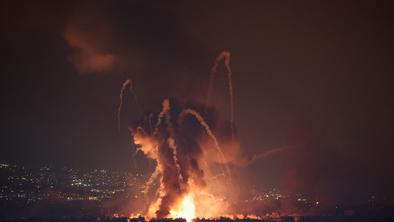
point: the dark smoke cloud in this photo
(90, 36)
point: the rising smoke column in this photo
(126, 84)
(173, 168)
(175, 146)
(176, 149)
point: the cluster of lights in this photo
(69, 184)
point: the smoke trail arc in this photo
(208, 130)
(224, 55)
(164, 111)
(126, 84)
(156, 173)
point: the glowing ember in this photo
(186, 209)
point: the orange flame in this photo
(185, 209)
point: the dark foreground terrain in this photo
(281, 219)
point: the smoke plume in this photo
(175, 145)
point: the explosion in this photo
(176, 146)
(188, 156)
(186, 209)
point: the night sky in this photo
(312, 77)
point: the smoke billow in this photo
(90, 36)
(176, 146)
(192, 153)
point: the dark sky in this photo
(314, 77)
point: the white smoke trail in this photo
(128, 83)
(165, 109)
(224, 55)
(267, 154)
(208, 130)
(165, 113)
(156, 173)
(124, 85)
(172, 145)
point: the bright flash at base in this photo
(186, 209)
